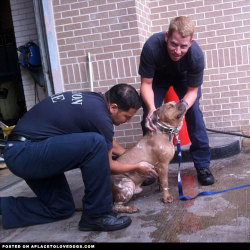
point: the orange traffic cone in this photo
(183, 134)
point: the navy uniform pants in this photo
(199, 148)
(42, 165)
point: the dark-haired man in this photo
(63, 132)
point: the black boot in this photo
(205, 176)
(105, 222)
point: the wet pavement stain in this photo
(220, 233)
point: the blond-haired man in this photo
(174, 58)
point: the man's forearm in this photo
(147, 93)
(191, 96)
(117, 148)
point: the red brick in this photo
(70, 74)
(126, 67)
(112, 48)
(63, 21)
(108, 69)
(65, 74)
(120, 68)
(70, 13)
(114, 68)
(95, 71)
(76, 72)
(233, 56)
(80, 5)
(61, 8)
(70, 87)
(229, 94)
(101, 70)
(217, 13)
(65, 34)
(83, 72)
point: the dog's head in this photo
(170, 113)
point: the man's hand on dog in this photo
(147, 169)
(149, 123)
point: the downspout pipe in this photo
(90, 72)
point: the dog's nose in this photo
(181, 107)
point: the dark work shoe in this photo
(149, 181)
(105, 222)
(205, 176)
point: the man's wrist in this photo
(185, 103)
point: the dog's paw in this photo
(125, 209)
(168, 199)
(132, 209)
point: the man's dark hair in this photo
(125, 96)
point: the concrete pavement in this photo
(217, 218)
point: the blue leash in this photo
(178, 145)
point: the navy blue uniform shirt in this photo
(66, 113)
(155, 63)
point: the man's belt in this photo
(15, 137)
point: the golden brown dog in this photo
(155, 148)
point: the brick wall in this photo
(115, 31)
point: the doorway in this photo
(12, 101)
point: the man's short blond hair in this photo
(183, 25)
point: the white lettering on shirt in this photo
(77, 98)
(57, 97)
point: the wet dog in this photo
(155, 148)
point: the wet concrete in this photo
(217, 218)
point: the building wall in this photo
(114, 31)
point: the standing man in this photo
(63, 132)
(174, 58)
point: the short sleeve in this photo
(147, 66)
(196, 68)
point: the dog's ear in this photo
(154, 116)
(156, 112)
